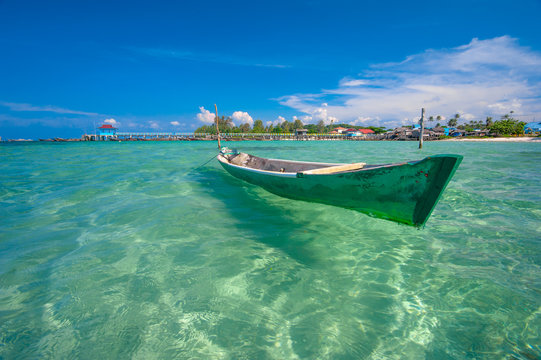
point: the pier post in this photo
(217, 127)
(422, 128)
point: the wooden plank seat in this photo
(334, 169)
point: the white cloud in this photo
(240, 117)
(205, 116)
(467, 116)
(353, 82)
(112, 122)
(321, 113)
(47, 108)
(305, 119)
(363, 120)
(175, 123)
(154, 125)
(276, 122)
(483, 78)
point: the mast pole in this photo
(217, 128)
(422, 128)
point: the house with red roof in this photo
(359, 132)
(367, 131)
(106, 132)
(339, 130)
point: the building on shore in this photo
(301, 133)
(359, 132)
(103, 133)
(533, 128)
(106, 132)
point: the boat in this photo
(405, 192)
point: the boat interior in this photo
(286, 166)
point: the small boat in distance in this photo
(404, 192)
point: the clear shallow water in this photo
(126, 250)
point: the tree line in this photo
(226, 126)
(507, 125)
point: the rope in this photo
(209, 160)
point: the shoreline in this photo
(461, 139)
(497, 139)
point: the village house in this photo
(401, 133)
(359, 132)
(532, 128)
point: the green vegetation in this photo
(472, 125)
(508, 126)
(226, 126)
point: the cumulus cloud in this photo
(363, 120)
(241, 117)
(278, 121)
(316, 115)
(154, 125)
(305, 119)
(205, 116)
(483, 78)
(175, 123)
(112, 122)
(238, 117)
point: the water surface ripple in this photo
(128, 250)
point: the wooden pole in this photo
(217, 128)
(422, 128)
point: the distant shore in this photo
(305, 138)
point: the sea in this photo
(150, 250)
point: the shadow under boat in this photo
(275, 225)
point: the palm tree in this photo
(489, 122)
(453, 121)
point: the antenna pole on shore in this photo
(217, 128)
(422, 128)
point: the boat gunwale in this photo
(274, 173)
(223, 160)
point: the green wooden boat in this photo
(405, 192)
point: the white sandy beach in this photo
(500, 139)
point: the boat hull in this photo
(405, 193)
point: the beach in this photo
(497, 139)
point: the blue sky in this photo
(161, 66)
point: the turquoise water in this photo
(126, 250)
